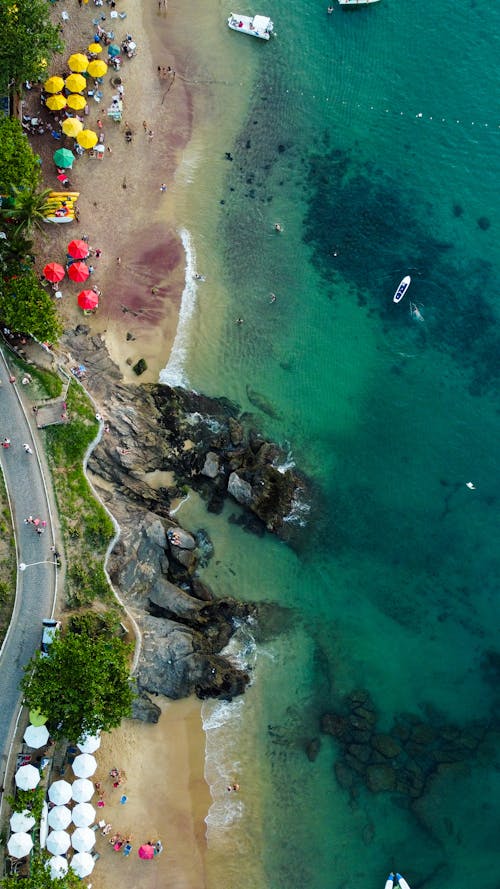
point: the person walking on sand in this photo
(150, 135)
(144, 124)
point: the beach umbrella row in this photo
(76, 102)
(72, 126)
(21, 822)
(64, 158)
(94, 48)
(89, 743)
(78, 272)
(75, 83)
(56, 103)
(27, 777)
(20, 844)
(87, 138)
(53, 84)
(78, 62)
(78, 249)
(57, 866)
(59, 818)
(88, 300)
(82, 864)
(38, 735)
(54, 272)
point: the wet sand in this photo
(167, 800)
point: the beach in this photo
(333, 130)
(166, 800)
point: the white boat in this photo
(389, 883)
(402, 882)
(403, 287)
(257, 26)
(356, 2)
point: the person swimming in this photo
(278, 227)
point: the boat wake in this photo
(173, 374)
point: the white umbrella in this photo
(83, 839)
(27, 777)
(58, 866)
(82, 790)
(82, 864)
(83, 815)
(89, 743)
(19, 845)
(21, 821)
(60, 793)
(58, 842)
(36, 735)
(44, 824)
(59, 817)
(84, 765)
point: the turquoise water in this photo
(372, 137)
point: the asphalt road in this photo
(36, 585)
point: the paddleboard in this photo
(403, 287)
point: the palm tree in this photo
(29, 210)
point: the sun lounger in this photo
(127, 850)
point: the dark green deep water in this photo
(374, 138)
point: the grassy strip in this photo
(45, 384)
(8, 562)
(86, 526)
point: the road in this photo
(37, 584)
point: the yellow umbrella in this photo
(76, 102)
(78, 62)
(53, 85)
(94, 48)
(72, 126)
(97, 68)
(55, 103)
(76, 83)
(87, 138)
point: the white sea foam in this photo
(177, 508)
(223, 723)
(173, 374)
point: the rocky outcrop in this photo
(404, 760)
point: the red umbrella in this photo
(78, 249)
(54, 272)
(146, 851)
(88, 299)
(78, 271)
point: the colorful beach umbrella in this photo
(64, 158)
(53, 85)
(54, 273)
(27, 777)
(19, 845)
(87, 138)
(78, 62)
(82, 864)
(37, 718)
(56, 103)
(72, 126)
(78, 271)
(76, 102)
(97, 68)
(78, 249)
(36, 735)
(113, 51)
(146, 852)
(88, 300)
(94, 48)
(75, 83)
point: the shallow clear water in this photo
(371, 135)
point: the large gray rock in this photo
(211, 466)
(171, 599)
(239, 489)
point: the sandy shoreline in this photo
(167, 800)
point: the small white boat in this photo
(389, 883)
(356, 2)
(257, 26)
(402, 882)
(403, 287)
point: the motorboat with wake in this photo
(256, 26)
(403, 287)
(393, 882)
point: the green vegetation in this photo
(86, 526)
(82, 685)
(8, 563)
(19, 166)
(28, 40)
(39, 878)
(28, 799)
(27, 308)
(26, 209)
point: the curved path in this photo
(36, 587)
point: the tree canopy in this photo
(19, 166)
(27, 209)
(39, 878)
(82, 686)
(26, 307)
(28, 41)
